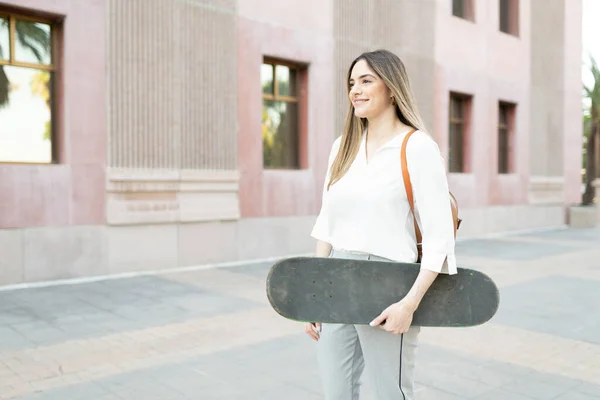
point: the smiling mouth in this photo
(357, 102)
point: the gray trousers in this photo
(344, 351)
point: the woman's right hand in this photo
(313, 329)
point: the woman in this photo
(365, 215)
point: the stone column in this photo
(555, 141)
(172, 111)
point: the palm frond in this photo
(35, 38)
(4, 87)
(35, 32)
(587, 124)
(594, 69)
(3, 22)
(592, 93)
(32, 47)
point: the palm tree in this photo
(4, 83)
(30, 36)
(591, 134)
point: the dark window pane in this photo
(503, 115)
(456, 148)
(505, 16)
(456, 107)
(25, 116)
(503, 151)
(4, 41)
(33, 42)
(266, 77)
(458, 8)
(280, 134)
(286, 81)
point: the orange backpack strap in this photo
(409, 195)
(408, 188)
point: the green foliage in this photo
(587, 121)
(32, 37)
(591, 131)
(4, 88)
(37, 40)
(593, 93)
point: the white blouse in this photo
(368, 211)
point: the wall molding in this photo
(546, 190)
(150, 196)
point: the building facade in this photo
(153, 134)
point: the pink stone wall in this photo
(573, 129)
(474, 58)
(479, 60)
(71, 192)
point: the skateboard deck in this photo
(333, 290)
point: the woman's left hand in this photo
(397, 317)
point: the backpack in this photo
(409, 194)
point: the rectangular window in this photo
(27, 69)
(509, 17)
(280, 115)
(463, 9)
(459, 115)
(506, 117)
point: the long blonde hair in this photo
(391, 70)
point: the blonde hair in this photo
(391, 70)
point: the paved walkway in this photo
(211, 334)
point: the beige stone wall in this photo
(172, 111)
(547, 86)
(172, 84)
(555, 134)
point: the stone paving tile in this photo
(56, 314)
(501, 394)
(581, 235)
(78, 361)
(519, 347)
(501, 378)
(259, 270)
(249, 286)
(281, 368)
(558, 305)
(258, 371)
(510, 250)
(211, 334)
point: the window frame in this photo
(512, 14)
(508, 130)
(297, 99)
(468, 7)
(53, 69)
(276, 96)
(466, 101)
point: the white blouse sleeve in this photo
(320, 230)
(432, 200)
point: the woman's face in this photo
(368, 94)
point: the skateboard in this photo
(333, 290)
